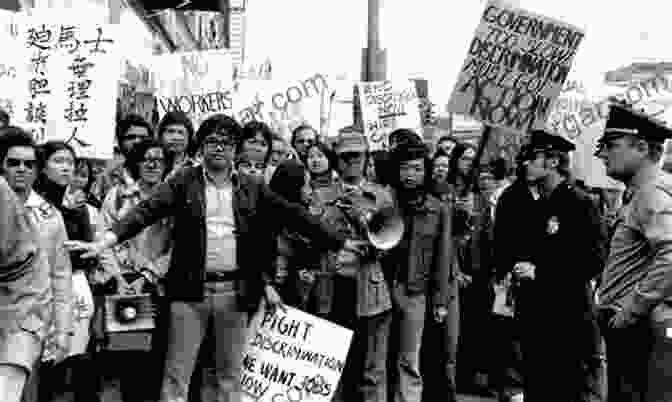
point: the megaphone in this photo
(384, 228)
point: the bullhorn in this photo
(384, 227)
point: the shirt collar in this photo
(34, 200)
(233, 177)
(644, 176)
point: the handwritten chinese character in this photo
(39, 62)
(36, 113)
(39, 86)
(76, 112)
(98, 41)
(80, 66)
(79, 90)
(67, 39)
(79, 141)
(39, 38)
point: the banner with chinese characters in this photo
(199, 83)
(293, 356)
(387, 106)
(12, 88)
(516, 65)
(71, 72)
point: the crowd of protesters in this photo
(214, 221)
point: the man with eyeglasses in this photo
(23, 347)
(222, 261)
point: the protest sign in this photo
(516, 65)
(282, 104)
(386, 106)
(136, 91)
(199, 83)
(293, 356)
(67, 67)
(12, 90)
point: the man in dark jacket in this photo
(569, 254)
(222, 262)
(518, 227)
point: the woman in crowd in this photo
(442, 336)
(472, 224)
(303, 137)
(440, 168)
(82, 183)
(79, 379)
(320, 161)
(176, 133)
(297, 263)
(138, 264)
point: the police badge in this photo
(553, 225)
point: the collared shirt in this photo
(150, 249)
(221, 225)
(637, 273)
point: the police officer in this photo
(636, 283)
(568, 256)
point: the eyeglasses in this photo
(28, 163)
(153, 161)
(250, 165)
(348, 156)
(306, 141)
(219, 143)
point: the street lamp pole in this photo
(374, 59)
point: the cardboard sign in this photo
(199, 84)
(69, 68)
(386, 106)
(516, 65)
(13, 89)
(293, 356)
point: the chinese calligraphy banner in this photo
(71, 71)
(516, 65)
(199, 84)
(293, 356)
(12, 90)
(387, 106)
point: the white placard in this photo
(293, 355)
(199, 83)
(515, 67)
(69, 68)
(386, 106)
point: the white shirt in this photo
(220, 227)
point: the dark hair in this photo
(129, 121)
(137, 155)
(13, 136)
(214, 123)
(404, 135)
(394, 167)
(89, 167)
(177, 117)
(454, 171)
(500, 168)
(327, 151)
(4, 117)
(250, 130)
(298, 129)
(288, 179)
(447, 138)
(51, 147)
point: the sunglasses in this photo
(132, 137)
(28, 163)
(219, 143)
(250, 165)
